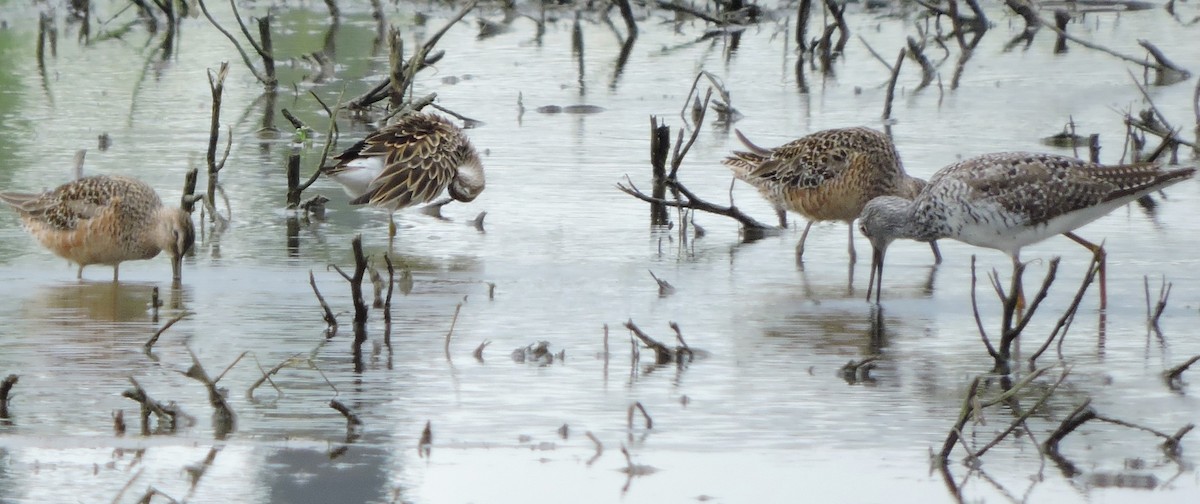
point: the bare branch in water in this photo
(331, 324)
(6, 387)
(1174, 376)
(599, 447)
(154, 339)
(662, 353)
(690, 201)
(450, 333)
(425, 444)
(664, 288)
(638, 406)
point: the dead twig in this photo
(360, 306)
(154, 339)
(1032, 22)
(1166, 72)
(1026, 414)
(975, 310)
(676, 7)
(354, 424)
(387, 303)
(690, 201)
(425, 444)
(928, 71)
(446, 348)
(1152, 316)
(1009, 331)
(267, 374)
(839, 19)
(683, 346)
(599, 447)
(478, 353)
(662, 353)
(267, 78)
(331, 138)
(6, 387)
(963, 416)
(128, 484)
(1174, 376)
(331, 324)
(167, 414)
(1064, 322)
(216, 84)
(664, 287)
(224, 420)
(855, 371)
(891, 88)
(629, 416)
(876, 54)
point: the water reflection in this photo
(305, 475)
(76, 304)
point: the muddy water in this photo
(764, 417)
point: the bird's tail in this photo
(19, 200)
(761, 151)
(743, 163)
(1143, 178)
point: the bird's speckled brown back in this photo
(1032, 188)
(828, 175)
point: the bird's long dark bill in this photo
(176, 268)
(875, 283)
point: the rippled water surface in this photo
(763, 415)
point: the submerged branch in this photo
(691, 202)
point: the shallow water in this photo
(764, 416)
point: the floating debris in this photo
(314, 207)
(538, 353)
(570, 109)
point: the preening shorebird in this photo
(409, 162)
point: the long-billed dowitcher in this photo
(827, 176)
(1006, 201)
(105, 220)
(408, 162)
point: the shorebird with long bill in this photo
(105, 220)
(1005, 201)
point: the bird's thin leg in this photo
(79, 273)
(937, 253)
(782, 214)
(803, 236)
(116, 268)
(1101, 257)
(853, 257)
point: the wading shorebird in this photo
(1006, 201)
(105, 220)
(827, 176)
(409, 162)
